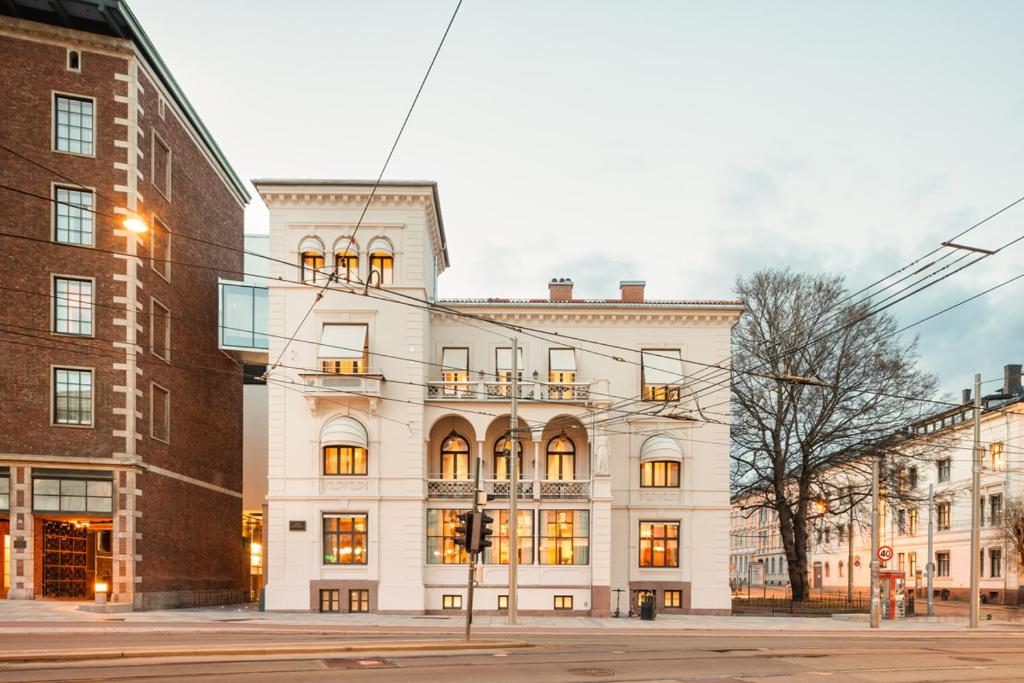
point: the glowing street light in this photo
(820, 506)
(135, 224)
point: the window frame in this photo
(677, 596)
(451, 601)
(160, 228)
(943, 516)
(660, 393)
(354, 460)
(333, 596)
(55, 213)
(667, 539)
(54, 96)
(562, 603)
(503, 602)
(67, 61)
(446, 539)
(153, 387)
(316, 271)
(666, 463)
(500, 454)
(501, 541)
(341, 534)
(377, 260)
(442, 452)
(351, 269)
(559, 539)
(944, 465)
(562, 458)
(943, 557)
(155, 139)
(362, 600)
(155, 303)
(92, 397)
(55, 304)
(995, 563)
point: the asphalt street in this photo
(681, 656)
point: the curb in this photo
(23, 656)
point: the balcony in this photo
(335, 385)
(450, 488)
(528, 390)
(501, 488)
(575, 489)
(578, 489)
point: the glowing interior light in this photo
(135, 224)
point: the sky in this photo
(683, 143)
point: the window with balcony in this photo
(661, 374)
(561, 374)
(565, 537)
(311, 260)
(943, 514)
(74, 125)
(72, 306)
(72, 396)
(73, 216)
(455, 457)
(346, 260)
(501, 546)
(345, 538)
(343, 348)
(503, 368)
(382, 262)
(455, 371)
(561, 459)
(996, 456)
(502, 459)
(943, 467)
(659, 544)
(441, 546)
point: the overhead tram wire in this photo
(373, 190)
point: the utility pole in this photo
(513, 494)
(930, 565)
(849, 557)
(474, 521)
(975, 517)
(876, 616)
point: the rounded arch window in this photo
(561, 458)
(455, 457)
(502, 461)
(660, 462)
(382, 262)
(346, 259)
(343, 447)
(311, 259)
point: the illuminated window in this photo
(503, 368)
(659, 544)
(74, 125)
(563, 602)
(72, 396)
(344, 538)
(311, 260)
(943, 510)
(330, 600)
(561, 374)
(673, 599)
(342, 460)
(343, 348)
(565, 537)
(454, 457)
(441, 547)
(73, 216)
(72, 306)
(996, 456)
(502, 461)
(382, 262)
(346, 260)
(659, 474)
(912, 517)
(502, 602)
(500, 545)
(561, 459)
(455, 372)
(359, 600)
(661, 373)
(451, 602)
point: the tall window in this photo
(901, 521)
(455, 371)
(382, 262)
(996, 456)
(659, 474)
(943, 469)
(995, 562)
(659, 544)
(912, 476)
(503, 367)
(995, 506)
(311, 260)
(346, 264)
(912, 521)
(454, 457)
(160, 413)
(441, 547)
(160, 249)
(72, 306)
(159, 330)
(501, 546)
(161, 156)
(943, 510)
(661, 373)
(73, 216)
(344, 538)
(942, 563)
(74, 125)
(502, 460)
(343, 348)
(565, 537)
(561, 459)
(912, 559)
(72, 396)
(561, 374)
(341, 460)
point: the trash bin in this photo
(263, 600)
(647, 608)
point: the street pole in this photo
(470, 533)
(975, 517)
(876, 616)
(930, 566)
(513, 495)
(849, 555)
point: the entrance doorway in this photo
(75, 557)
(817, 575)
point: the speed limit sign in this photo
(885, 553)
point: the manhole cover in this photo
(593, 673)
(357, 663)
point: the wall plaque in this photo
(296, 525)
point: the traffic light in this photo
(464, 529)
(481, 532)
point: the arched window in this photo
(73, 61)
(311, 259)
(502, 463)
(561, 461)
(454, 457)
(382, 262)
(346, 260)
(826, 570)
(660, 462)
(343, 445)
(841, 568)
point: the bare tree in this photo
(800, 445)
(1012, 525)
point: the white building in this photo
(754, 538)
(372, 447)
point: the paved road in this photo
(722, 656)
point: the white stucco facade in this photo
(583, 509)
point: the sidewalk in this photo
(41, 616)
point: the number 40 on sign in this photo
(885, 553)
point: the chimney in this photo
(1011, 379)
(632, 291)
(966, 397)
(560, 289)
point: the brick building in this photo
(120, 437)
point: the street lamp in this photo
(820, 506)
(135, 223)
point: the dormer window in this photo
(382, 262)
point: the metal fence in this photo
(822, 606)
